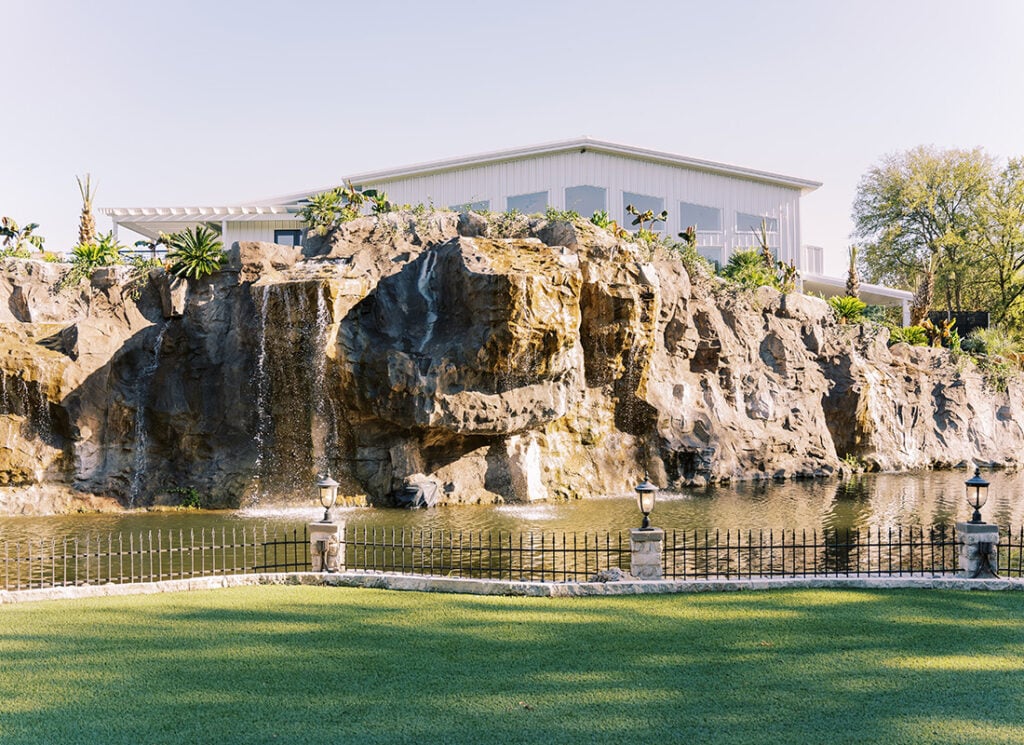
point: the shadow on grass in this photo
(333, 665)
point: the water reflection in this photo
(925, 500)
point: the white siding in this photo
(553, 173)
(255, 231)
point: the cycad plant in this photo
(86, 221)
(195, 253)
(88, 257)
(847, 309)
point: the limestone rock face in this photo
(426, 348)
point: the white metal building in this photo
(726, 203)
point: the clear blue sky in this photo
(175, 103)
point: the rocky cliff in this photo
(436, 350)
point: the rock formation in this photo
(427, 349)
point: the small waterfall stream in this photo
(143, 393)
(261, 383)
(423, 287)
(325, 416)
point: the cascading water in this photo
(325, 421)
(427, 293)
(143, 392)
(261, 384)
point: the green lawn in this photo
(326, 665)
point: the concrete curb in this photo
(458, 585)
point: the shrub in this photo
(19, 242)
(195, 252)
(995, 342)
(847, 309)
(915, 336)
(556, 215)
(601, 219)
(88, 257)
(748, 269)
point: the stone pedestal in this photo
(977, 543)
(327, 547)
(646, 547)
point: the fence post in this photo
(646, 547)
(978, 547)
(327, 546)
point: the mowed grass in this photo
(332, 665)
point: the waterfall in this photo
(262, 386)
(325, 421)
(140, 448)
(423, 287)
(5, 403)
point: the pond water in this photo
(871, 500)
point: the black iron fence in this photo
(546, 557)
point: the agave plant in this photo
(195, 252)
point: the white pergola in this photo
(151, 221)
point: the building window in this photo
(642, 203)
(746, 223)
(712, 254)
(528, 204)
(707, 219)
(586, 200)
(288, 237)
(481, 206)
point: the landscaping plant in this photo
(17, 241)
(195, 252)
(847, 309)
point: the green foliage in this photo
(747, 268)
(919, 214)
(994, 342)
(19, 242)
(327, 210)
(378, 200)
(641, 219)
(555, 215)
(847, 309)
(138, 275)
(941, 335)
(86, 258)
(195, 252)
(189, 497)
(511, 224)
(601, 219)
(689, 236)
(695, 264)
(915, 336)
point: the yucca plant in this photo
(86, 221)
(195, 253)
(847, 309)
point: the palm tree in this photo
(86, 222)
(853, 276)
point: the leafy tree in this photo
(917, 209)
(195, 252)
(1001, 245)
(19, 241)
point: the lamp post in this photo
(977, 494)
(645, 492)
(328, 495)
